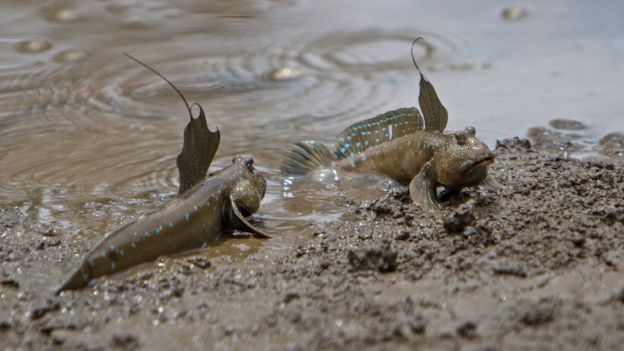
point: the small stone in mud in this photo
(460, 219)
(49, 232)
(200, 262)
(513, 13)
(380, 256)
(567, 124)
(125, 340)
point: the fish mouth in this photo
(485, 160)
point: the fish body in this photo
(196, 218)
(205, 208)
(406, 146)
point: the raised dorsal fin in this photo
(377, 130)
(200, 143)
(434, 112)
(200, 146)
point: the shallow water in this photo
(88, 138)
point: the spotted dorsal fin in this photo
(200, 143)
(434, 112)
(374, 131)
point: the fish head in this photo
(463, 160)
(250, 187)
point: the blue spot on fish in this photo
(187, 217)
(159, 229)
(103, 255)
(195, 208)
(133, 245)
(146, 234)
(112, 247)
(170, 224)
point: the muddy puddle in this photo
(88, 138)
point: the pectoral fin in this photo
(490, 183)
(423, 189)
(241, 223)
(200, 146)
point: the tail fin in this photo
(78, 280)
(305, 157)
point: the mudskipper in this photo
(205, 208)
(406, 146)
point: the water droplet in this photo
(513, 13)
(70, 55)
(31, 46)
(285, 73)
(64, 15)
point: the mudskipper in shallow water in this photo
(203, 210)
(403, 145)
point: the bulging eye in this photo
(248, 162)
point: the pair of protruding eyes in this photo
(246, 160)
(463, 135)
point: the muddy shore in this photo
(536, 265)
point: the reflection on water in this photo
(88, 138)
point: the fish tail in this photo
(306, 157)
(78, 280)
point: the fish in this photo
(404, 145)
(205, 208)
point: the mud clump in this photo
(380, 256)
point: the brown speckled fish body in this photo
(406, 146)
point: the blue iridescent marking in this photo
(112, 247)
(195, 208)
(170, 224)
(358, 144)
(352, 162)
(187, 217)
(121, 253)
(377, 140)
(103, 255)
(133, 245)
(366, 142)
(135, 234)
(159, 229)
(146, 234)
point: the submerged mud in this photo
(535, 265)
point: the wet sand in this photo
(536, 265)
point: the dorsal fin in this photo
(374, 131)
(434, 112)
(200, 143)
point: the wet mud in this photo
(535, 265)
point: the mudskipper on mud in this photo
(204, 209)
(405, 146)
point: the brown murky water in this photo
(88, 138)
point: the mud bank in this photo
(535, 265)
